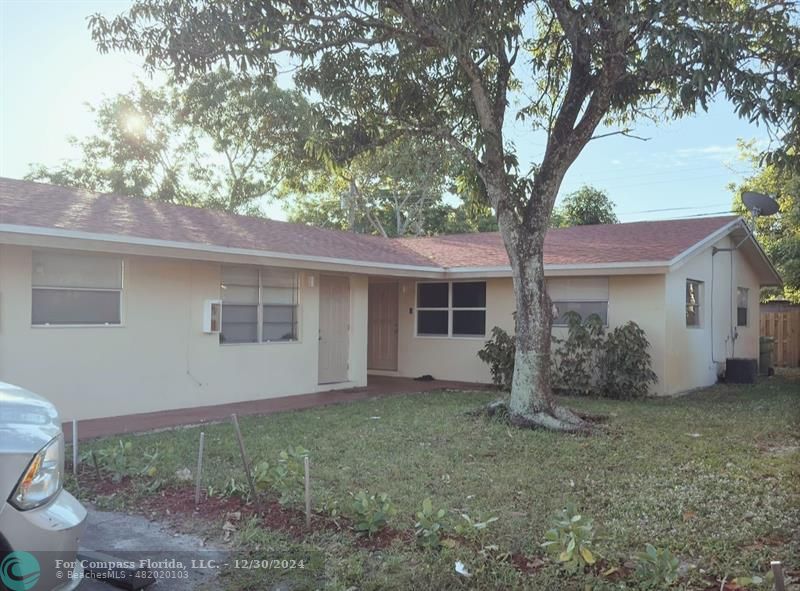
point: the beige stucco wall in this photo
(160, 358)
(690, 360)
(639, 298)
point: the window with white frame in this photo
(742, 294)
(694, 298)
(75, 289)
(583, 308)
(259, 305)
(455, 309)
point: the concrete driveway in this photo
(181, 560)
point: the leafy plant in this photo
(234, 488)
(472, 529)
(498, 353)
(571, 539)
(575, 358)
(626, 363)
(285, 476)
(115, 460)
(372, 512)
(656, 568)
(429, 525)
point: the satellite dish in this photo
(759, 204)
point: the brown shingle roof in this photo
(636, 242)
(26, 203)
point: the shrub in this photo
(472, 529)
(587, 361)
(372, 512)
(575, 358)
(118, 461)
(626, 363)
(498, 353)
(429, 525)
(570, 539)
(656, 569)
(285, 476)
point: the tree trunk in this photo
(532, 403)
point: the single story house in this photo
(112, 305)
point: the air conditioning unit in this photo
(212, 316)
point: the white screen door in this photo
(334, 328)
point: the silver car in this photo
(40, 522)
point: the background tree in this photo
(455, 70)
(778, 234)
(394, 190)
(585, 207)
(221, 141)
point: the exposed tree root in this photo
(562, 419)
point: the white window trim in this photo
(700, 306)
(449, 309)
(120, 291)
(260, 312)
(747, 306)
(580, 301)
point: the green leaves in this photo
(429, 526)
(372, 512)
(656, 568)
(570, 539)
(285, 476)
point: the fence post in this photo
(777, 571)
(75, 447)
(306, 463)
(244, 455)
(199, 474)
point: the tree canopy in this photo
(778, 234)
(222, 141)
(585, 207)
(457, 71)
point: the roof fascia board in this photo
(57, 238)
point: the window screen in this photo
(693, 302)
(742, 293)
(258, 305)
(584, 309)
(75, 288)
(432, 295)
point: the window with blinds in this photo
(259, 305)
(75, 289)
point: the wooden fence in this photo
(784, 327)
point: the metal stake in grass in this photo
(246, 464)
(306, 463)
(199, 474)
(96, 466)
(777, 571)
(75, 447)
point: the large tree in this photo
(585, 207)
(224, 140)
(457, 70)
(778, 234)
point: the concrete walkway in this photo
(378, 386)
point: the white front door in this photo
(334, 328)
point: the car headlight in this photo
(43, 477)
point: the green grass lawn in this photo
(714, 477)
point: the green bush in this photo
(429, 525)
(472, 529)
(616, 364)
(656, 568)
(575, 358)
(372, 512)
(499, 353)
(285, 476)
(571, 539)
(626, 363)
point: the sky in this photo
(50, 69)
